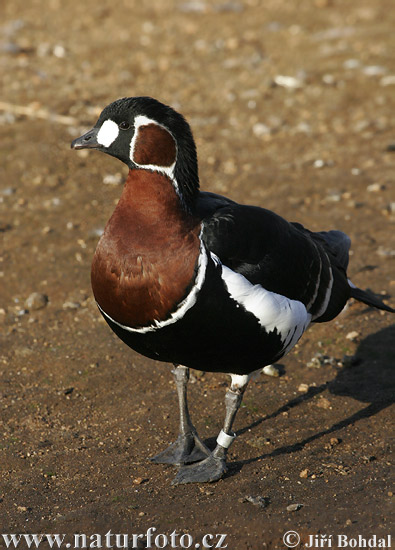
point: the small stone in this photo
(7, 191)
(36, 300)
(351, 64)
(388, 80)
(259, 501)
(385, 252)
(314, 363)
(259, 442)
(334, 196)
(353, 335)
(304, 474)
(259, 130)
(374, 70)
(375, 187)
(288, 81)
(334, 441)
(328, 79)
(324, 403)
(193, 7)
(294, 507)
(69, 304)
(113, 179)
(59, 51)
(271, 370)
(138, 480)
(303, 388)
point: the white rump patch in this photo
(273, 311)
(108, 133)
(183, 307)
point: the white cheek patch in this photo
(273, 311)
(108, 133)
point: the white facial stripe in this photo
(183, 307)
(273, 311)
(108, 133)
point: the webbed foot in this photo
(208, 470)
(186, 449)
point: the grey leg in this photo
(188, 447)
(214, 466)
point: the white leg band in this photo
(225, 440)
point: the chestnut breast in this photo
(145, 262)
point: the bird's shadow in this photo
(370, 380)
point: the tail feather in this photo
(368, 298)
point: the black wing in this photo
(283, 257)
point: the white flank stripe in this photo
(183, 307)
(328, 293)
(273, 311)
(108, 133)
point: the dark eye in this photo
(124, 125)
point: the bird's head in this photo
(145, 134)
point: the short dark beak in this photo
(87, 141)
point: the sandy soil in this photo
(80, 413)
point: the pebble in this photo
(375, 187)
(351, 64)
(320, 359)
(7, 191)
(259, 130)
(36, 300)
(388, 80)
(193, 7)
(259, 442)
(288, 82)
(324, 403)
(303, 388)
(113, 179)
(69, 304)
(271, 370)
(139, 480)
(334, 196)
(294, 507)
(374, 70)
(259, 501)
(385, 252)
(353, 335)
(304, 473)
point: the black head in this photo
(145, 134)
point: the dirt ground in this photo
(292, 108)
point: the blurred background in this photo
(292, 108)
